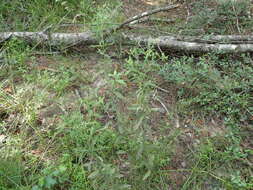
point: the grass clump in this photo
(40, 14)
(11, 172)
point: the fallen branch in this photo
(144, 14)
(179, 43)
(220, 43)
(221, 39)
(170, 42)
(152, 20)
(52, 39)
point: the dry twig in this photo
(144, 14)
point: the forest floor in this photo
(116, 117)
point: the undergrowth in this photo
(149, 121)
(53, 15)
(220, 17)
(215, 86)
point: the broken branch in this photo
(223, 44)
(144, 14)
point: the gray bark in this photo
(223, 44)
(54, 39)
(144, 14)
(170, 42)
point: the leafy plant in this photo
(238, 182)
(51, 177)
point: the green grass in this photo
(37, 15)
(215, 86)
(214, 17)
(74, 121)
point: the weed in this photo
(51, 177)
(239, 183)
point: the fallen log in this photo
(221, 39)
(178, 43)
(172, 43)
(52, 39)
(200, 44)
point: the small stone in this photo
(2, 139)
